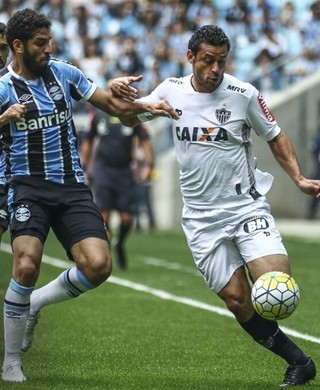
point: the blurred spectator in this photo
(128, 62)
(265, 76)
(312, 28)
(274, 45)
(200, 12)
(178, 38)
(302, 66)
(92, 63)
(58, 10)
(245, 52)
(128, 32)
(80, 26)
(273, 41)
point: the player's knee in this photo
(239, 305)
(99, 269)
(26, 270)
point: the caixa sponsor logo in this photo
(256, 223)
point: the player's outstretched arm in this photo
(105, 101)
(285, 154)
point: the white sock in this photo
(16, 311)
(69, 284)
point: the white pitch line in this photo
(170, 265)
(164, 294)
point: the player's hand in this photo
(161, 108)
(121, 87)
(310, 187)
(14, 113)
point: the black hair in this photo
(212, 35)
(3, 28)
(24, 24)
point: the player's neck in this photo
(21, 70)
(200, 88)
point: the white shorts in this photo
(221, 240)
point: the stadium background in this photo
(275, 46)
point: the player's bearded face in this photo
(36, 64)
(208, 67)
(36, 54)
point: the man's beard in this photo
(32, 66)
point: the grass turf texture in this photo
(116, 338)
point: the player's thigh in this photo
(79, 221)
(214, 253)
(275, 262)
(258, 238)
(28, 215)
(237, 292)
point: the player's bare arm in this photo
(285, 154)
(13, 113)
(105, 101)
(121, 87)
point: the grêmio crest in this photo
(223, 115)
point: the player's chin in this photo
(213, 82)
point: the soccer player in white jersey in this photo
(226, 218)
(46, 181)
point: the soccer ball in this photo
(275, 295)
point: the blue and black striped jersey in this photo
(44, 143)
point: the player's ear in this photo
(190, 56)
(18, 46)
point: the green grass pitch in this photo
(152, 328)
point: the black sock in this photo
(123, 232)
(269, 335)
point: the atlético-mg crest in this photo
(223, 115)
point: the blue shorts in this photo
(36, 205)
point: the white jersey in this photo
(213, 142)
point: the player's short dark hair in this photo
(211, 35)
(24, 24)
(3, 28)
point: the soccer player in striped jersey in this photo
(46, 181)
(4, 53)
(226, 217)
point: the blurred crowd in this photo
(274, 42)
